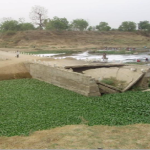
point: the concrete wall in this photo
(73, 81)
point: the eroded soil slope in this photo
(73, 39)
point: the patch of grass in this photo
(114, 82)
(28, 105)
(136, 63)
(110, 52)
(109, 81)
(135, 88)
(40, 51)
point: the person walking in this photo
(17, 54)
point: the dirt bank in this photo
(53, 40)
(83, 137)
(12, 67)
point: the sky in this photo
(114, 12)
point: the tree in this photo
(91, 28)
(57, 24)
(143, 25)
(26, 26)
(103, 26)
(9, 25)
(79, 24)
(38, 14)
(127, 26)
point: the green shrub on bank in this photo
(28, 105)
(41, 51)
(110, 52)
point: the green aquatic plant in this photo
(28, 105)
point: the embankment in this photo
(54, 40)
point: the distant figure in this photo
(146, 59)
(17, 54)
(104, 57)
(138, 60)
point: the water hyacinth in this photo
(28, 105)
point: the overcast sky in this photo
(114, 12)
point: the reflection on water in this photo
(111, 57)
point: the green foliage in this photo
(103, 26)
(57, 24)
(79, 24)
(144, 25)
(114, 82)
(28, 105)
(110, 52)
(127, 26)
(9, 25)
(26, 26)
(40, 51)
(91, 28)
(136, 63)
(136, 88)
(108, 81)
(149, 82)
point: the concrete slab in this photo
(127, 75)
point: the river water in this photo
(94, 57)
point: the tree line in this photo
(40, 21)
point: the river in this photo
(94, 57)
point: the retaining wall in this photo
(61, 77)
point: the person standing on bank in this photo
(17, 54)
(104, 56)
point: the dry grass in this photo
(83, 137)
(73, 39)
